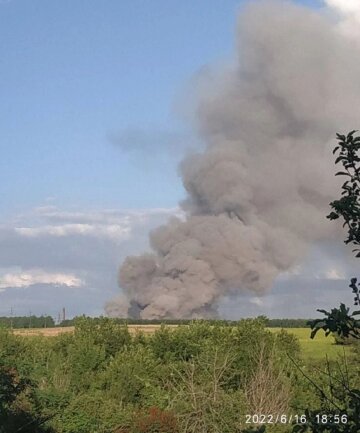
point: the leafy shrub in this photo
(104, 332)
(155, 420)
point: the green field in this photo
(319, 347)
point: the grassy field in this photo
(317, 348)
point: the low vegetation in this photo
(203, 378)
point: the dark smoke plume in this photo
(258, 195)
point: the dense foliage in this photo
(202, 377)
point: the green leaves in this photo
(348, 206)
(340, 321)
(356, 290)
(337, 321)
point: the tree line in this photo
(19, 322)
(23, 322)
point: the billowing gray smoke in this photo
(258, 195)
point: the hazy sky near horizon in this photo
(92, 127)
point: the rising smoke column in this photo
(258, 194)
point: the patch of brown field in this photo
(53, 332)
(46, 332)
(147, 329)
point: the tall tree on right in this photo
(340, 320)
(341, 409)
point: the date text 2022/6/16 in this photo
(294, 419)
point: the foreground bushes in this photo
(196, 378)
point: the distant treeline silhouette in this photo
(270, 323)
(19, 322)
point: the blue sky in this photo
(74, 72)
(91, 131)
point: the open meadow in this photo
(319, 347)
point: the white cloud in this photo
(69, 245)
(257, 301)
(349, 13)
(112, 231)
(323, 272)
(103, 216)
(291, 273)
(347, 7)
(111, 224)
(334, 274)
(31, 277)
(108, 215)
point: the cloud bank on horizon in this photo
(53, 267)
(37, 276)
(51, 257)
(258, 195)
